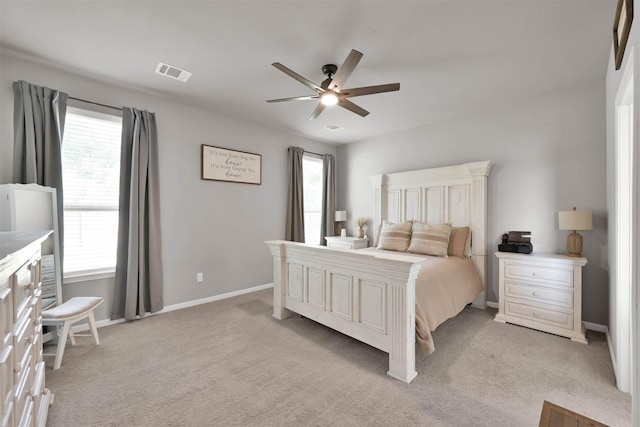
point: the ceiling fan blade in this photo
(345, 103)
(369, 90)
(345, 70)
(295, 98)
(298, 77)
(319, 109)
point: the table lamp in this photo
(575, 220)
(340, 217)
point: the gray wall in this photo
(217, 228)
(549, 153)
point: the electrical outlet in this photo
(199, 277)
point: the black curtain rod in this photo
(95, 103)
(315, 154)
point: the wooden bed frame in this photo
(371, 297)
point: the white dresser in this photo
(24, 400)
(346, 242)
(542, 291)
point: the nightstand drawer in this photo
(537, 314)
(557, 297)
(346, 242)
(558, 276)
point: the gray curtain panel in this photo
(295, 202)
(38, 127)
(328, 197)
(139, 280)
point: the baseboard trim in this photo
(180, 306)
(492, 304)
(596, 327)
(605, 330)
(206, 300)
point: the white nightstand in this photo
(542, 291)
(346, 242)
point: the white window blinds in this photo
(91, 174)
(312, 193)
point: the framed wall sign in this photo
(621, 29)
(222, 164)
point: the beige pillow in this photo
(460, 242)
(395, 237)
(430, 240)
(377, 236)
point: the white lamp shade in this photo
(341, 216)
(575, 220)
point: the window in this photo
(90, 175)
(312, 186)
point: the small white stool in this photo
(65, 315)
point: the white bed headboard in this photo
(452, 194)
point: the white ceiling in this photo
(451, 57)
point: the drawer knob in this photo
(535, 294)
(534, 313)
(533, 274)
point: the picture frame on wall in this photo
(621, 29)
(223, 164)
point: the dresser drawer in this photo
(36, 303)
(557, 297)
(38, 389)
(27, 415)
(23, 339)
(558, 276)
(38, 343)
(542, 315)
(6, 317)
(22, 286)
(8, 415)
(22, 398)
(6, 378)
(38, 382)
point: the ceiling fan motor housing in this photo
(328, 70)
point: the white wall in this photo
(217, 228)
(549, 155)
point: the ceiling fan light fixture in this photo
(329, 99)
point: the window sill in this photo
(88, 275)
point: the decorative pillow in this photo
(395, 237)
(377, 237)
(460, 242)
(430, 240)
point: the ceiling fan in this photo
(331, 91)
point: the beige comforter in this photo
(443, 288)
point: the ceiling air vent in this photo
(172, 72)
(334, 128)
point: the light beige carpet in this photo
(230, 363)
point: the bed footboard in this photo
(366, 296)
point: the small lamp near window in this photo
(341, 216)
(575, 220)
